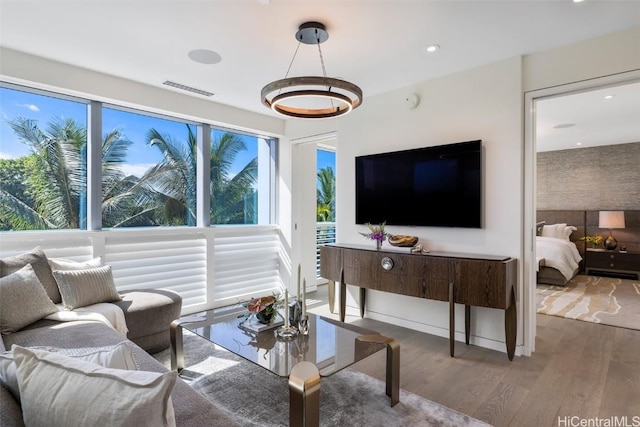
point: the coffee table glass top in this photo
(330, 345)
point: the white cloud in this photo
(6, 156)
(136, 169)
(31, 107)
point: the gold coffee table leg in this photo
(175, 338)
(393, 364)
(304, 395)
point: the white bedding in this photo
(560, 254)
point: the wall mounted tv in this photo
(437, 186)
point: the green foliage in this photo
(326, 195)
(45, 190)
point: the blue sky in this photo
(44, 109)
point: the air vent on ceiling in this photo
(187, 88)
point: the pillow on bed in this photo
(568, 230)
(554, 230)
(539, 227)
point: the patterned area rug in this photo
(255, 397)
(604, 300)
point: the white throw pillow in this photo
(119, 356)
(68, 264)
(23, 300)
(554, 230)
(61, 391)
(567, 232)
(80, 288)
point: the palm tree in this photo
(232, 196)
(326, 195)
(55, 186)
(174, 180)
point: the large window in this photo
(148, 167)
(43, 162)
(148, 170)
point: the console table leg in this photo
(363, 300)
(304, 395)
(332, 294)
(511, 326)
(452, 321)
(467, 323)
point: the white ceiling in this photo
(599, 117)
(379, 45)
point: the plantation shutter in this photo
(246, 263)
(176, 262)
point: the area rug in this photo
(255, 397)
(609, 301)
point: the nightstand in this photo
(600, 262)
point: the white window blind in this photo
(246, 264)
(73, 248)
(175, 261)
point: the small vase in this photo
(266, 317)
(378, 244)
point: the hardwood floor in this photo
(579, 369)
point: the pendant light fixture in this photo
(311, 97)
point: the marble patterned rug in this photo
(609, 301)
(255, 397)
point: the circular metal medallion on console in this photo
(387, 263)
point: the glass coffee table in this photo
(330, 346)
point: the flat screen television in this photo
(437, 186)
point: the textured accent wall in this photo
(597, 178)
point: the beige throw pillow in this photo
(60, 391)
(119, 356)
(40, 264)
(23, 300)
(68, 264)
(80, 288)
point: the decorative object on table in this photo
(611, 220)
(251, 324)
(403, 241)
(286, 332)
(376, 233)
(264, 308)
(295, 308)
(303, 323)
(596, 241)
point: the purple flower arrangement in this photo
(376, 232)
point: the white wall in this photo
(483, 103)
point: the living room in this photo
(483, 102)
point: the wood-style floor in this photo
(578, 369)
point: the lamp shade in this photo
(611, 219)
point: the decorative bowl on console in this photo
(403, 241)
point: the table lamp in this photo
(611, 220)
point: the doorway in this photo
(532, 100)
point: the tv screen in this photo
(433, 186)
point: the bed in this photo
(559, 250)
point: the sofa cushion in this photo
(49, 385)
(23, 301)
(80, 288)
(40, 264)
(119, 356)
(68, 264)
(191, 408)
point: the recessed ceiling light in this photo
(432, 48)
(564, 125)
(205, 56)
(578, 143)
(578, 1)
(609, 97)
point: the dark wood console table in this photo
(472, 280)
